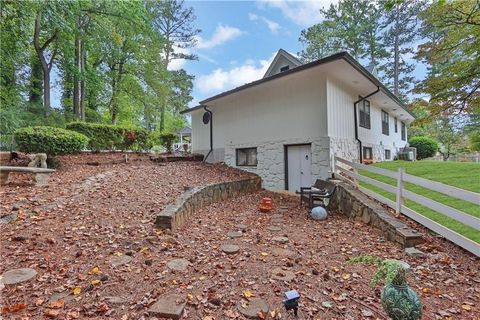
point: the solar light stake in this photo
(291, 301)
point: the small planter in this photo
(399, 301)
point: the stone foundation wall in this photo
(271, 159)
(196, 198)
(355, 204)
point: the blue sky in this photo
(240, 38)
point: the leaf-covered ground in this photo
(70, 231)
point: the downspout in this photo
(356, 121)
(211, 133)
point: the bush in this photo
(49, 140)
(426, 146)
(102, 136)
(167, 140)
(110, 137)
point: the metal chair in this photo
(315, 195)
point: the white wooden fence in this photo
(350, 169)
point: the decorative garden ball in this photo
(318, 213)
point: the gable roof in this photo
(337, 56)
(282, 54)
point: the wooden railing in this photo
(343, 168)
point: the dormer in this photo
(282, 62)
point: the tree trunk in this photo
(82, 81)
(36, 85)
(396, 54)
(46, 91)
(76, 82)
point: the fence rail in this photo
(350, 170)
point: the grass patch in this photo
(458, 174)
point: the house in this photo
(287, 126)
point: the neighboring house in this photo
(287, 126)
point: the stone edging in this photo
(355, 204)
(174, 215)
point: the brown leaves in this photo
(13, 308)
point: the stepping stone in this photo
(414, 252)
(277, 216)
(116, 300)
(251, 308)
(65, 296)
(280, 239)
(282, 252)
(8, 218)
(178, 265)
(241, 227)
(169, 306)
(120, 260)
(277, 221)
(234, 234)
(230, 248)
(282, 275)
(18, 275)
(274, 228)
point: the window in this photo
(385, 124)
(285, 68)
(367, 153)
(365, 114)
(247, 157)
(396, 126)
(388, 154)
(404, 133)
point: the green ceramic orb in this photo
(401, 302)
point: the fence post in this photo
(400, 200)
(333, 166)
(355, 180)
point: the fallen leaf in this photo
(208, 318)
(248, 294)
(466, 307)
(96, 282)
(264, 254)
(76, 291)
(13, 308)
(51, 313)
(57, 304)
(346, 276)
(95, 270)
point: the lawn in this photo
(458, 174)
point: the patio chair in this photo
(315, 195)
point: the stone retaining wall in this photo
(355, 204)
(196, 198)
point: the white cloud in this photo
(272, 25)
(221, 80)
(222, 34)
(303, 13)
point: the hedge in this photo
(112, 137)
(426, 146)
(49, 140)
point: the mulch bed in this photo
(70, 231)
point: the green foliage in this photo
(474, 139)
(167, 140)
(388, 270)
(110, 137)
(101, 136)
(426, 146)
(50, 140)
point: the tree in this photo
(400, 24)
(174, 21)
(350, 26)
(453, 52)
(448, 137)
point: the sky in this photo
(239, 40)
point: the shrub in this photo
(426, 146)
(49, 140)
(167, 140)
(102, 136)
(111, 137)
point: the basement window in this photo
(364, 111)
(284, 68)
(385, 123)
(367, 153)
(388, 154)
(247, 157)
